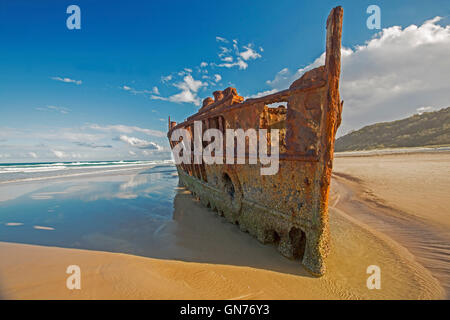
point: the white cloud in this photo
(67, 80)
(240, 63)
(86, 142)
(249, 54)
(54, 109)
(224, 51)
(185, 96)
(166, 78)
(154, 90)
(126, 129)
(391, 76)
(220, 39)
(59, 154)
(229, 57)
(189, 88)
(140, 143)
(424, 109)
(131, 153)
(189, 83)
(262, 94)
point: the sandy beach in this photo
(405, 197)
(390, 211)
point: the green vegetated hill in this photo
(426, 129)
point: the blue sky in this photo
(103, 92)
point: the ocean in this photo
(12, 172)
(99, 205)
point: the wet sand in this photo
(38, 272)
(403, 196)
(198, 255)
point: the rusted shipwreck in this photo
(290, 208)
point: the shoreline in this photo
(203, 257)
(38, 272)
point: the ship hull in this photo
(289, 207)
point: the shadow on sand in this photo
(203, 236)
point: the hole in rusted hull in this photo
(272, 237)
(298, 241)
(228, 185)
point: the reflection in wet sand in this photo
(90, 212)
(147, 214)
(142, 213)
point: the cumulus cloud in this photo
(140, 143)
(189, 88)
(393, 75)
(249, 54)
(230, 55)
(91, 141)
(189, 83)
(67, 80)
(233, 56)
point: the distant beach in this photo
(136, 234)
